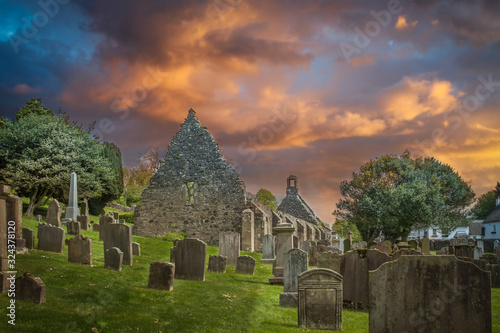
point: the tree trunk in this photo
(31, 205)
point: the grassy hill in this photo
(95, 299)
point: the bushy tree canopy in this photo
(484, 205)
(266, 198)
(391, 195)
(39, 152)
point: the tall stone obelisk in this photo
(72, 211)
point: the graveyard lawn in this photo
(94, 299)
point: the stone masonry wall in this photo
(195, 191)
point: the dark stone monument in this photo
(190, 259)
(330, 260)
(84, 221)
(217, 263)
(73, 228)
(120, 236)
(29, 236)
(245, 265)
(295, 264)
(161, 275)
(320, 299)
(267, 249)
(431, 294)
(113, 258)
(30, 288)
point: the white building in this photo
(491, 224)
(436, 233)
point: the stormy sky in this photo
(310, 88)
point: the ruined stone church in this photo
(197, 192)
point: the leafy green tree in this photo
(342, 228)
(39, 153)
(391, 195)
(484, 205)
(266, 198)
(33, 106)
(4, 122)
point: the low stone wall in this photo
(120, 207)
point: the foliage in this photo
(39, 153)
(4, 122)
(33, 107)
(342, 227)
(484, 205)
(128, 217)
(172, 236)
(266, 198)
(391, 195)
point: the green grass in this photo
(80, 298)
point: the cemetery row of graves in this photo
(85, 276)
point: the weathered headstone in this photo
(305, 246)
(478, 252)
(295, 263)
(113, 259)
(73, 228)
(267, 249)
(80, 250)
(405, 252)
(314, 252)
(413, 244)
(347, 245)
(30, 288)
(429, 294)
(54, 214)
(96, 227)
(330, 260)
(84, 221)
(161, 275)
(50, 238)
(84, 208)
(245, 265)
(247, 231)
(426, 248)
(136, 249)
(116, 217)
(388, 244)
(382, 248)
(39, 218)
(371, 244)
(72, 210)
(120, 236)
(190, 259)
(229, 246)
(463, 250)
(320, 299)
(104, 221)
(29, 236)
(284, 243)
(217, 263)
(495, 274)
(295, 242)
(354, 268)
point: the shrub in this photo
(172, 236)
(128, 217)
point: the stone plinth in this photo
(284, 243)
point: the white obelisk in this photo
(72, 211)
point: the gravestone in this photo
(136, 249)
(73, 228)
(217, 263)
(39, 218)
(495, 274)
(478, 252)
(161, 275)
(496, 244)
(229, 246)
(54, 214)
(172, 254)
(84, 209)
(116, 217)
(479, 263)
(314, 252)
(295, 263)
(72, 210)
(96, 227)
(330, 260)
(29, 236)
(320, 299)
(295, 242)
(267, 249)
(80, 250)
(498, 251)
(405, 252)
(305, 246)
(354, 268)
(336, 245)
(245, 265)
(429, 294)
(190, 259)
(388, 244)
(248, 231)
(30, 288)
(382, 248)
(371, 244)
(324, 242)
(463, 250)
(122, 221)
(413, 244)
(284, 243)
(347, 245)
(113, 259)
(84, 221)
(489, 258)
(104, 221)
(120, 236)
(426, 247)
(50, 238)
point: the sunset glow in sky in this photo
(310, 88)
